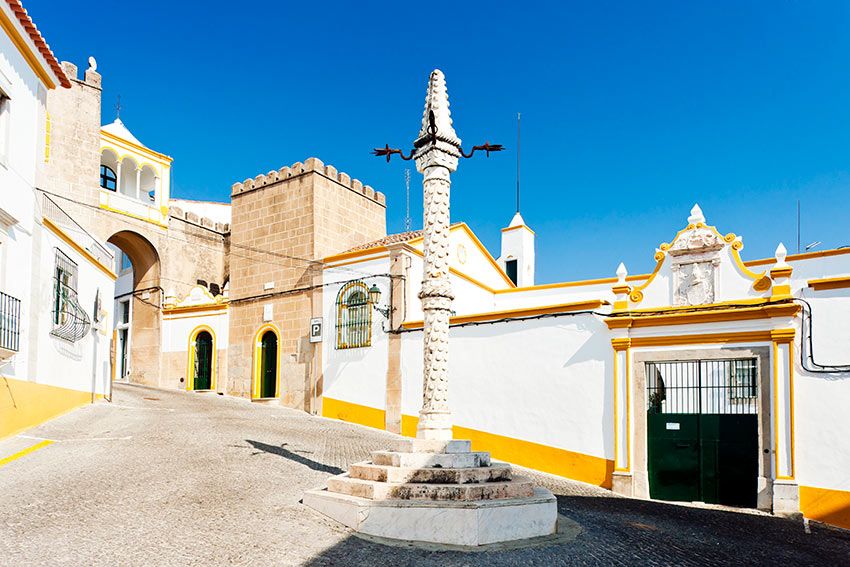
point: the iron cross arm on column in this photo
(432, 138)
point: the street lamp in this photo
(374, 298)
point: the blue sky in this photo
(631, 111)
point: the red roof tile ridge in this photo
(36, 37)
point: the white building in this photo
(56, 281)
(694, 382)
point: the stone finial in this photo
(437, 101)
(92, 64)
(696, 215)
(622, 272)
(781, 254)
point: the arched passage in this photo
(138, 296)
(266, 380)
(201, 370)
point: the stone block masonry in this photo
(283, 224)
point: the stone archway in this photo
(145, 338)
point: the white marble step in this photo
(432, 475)
(413, 445)
(431, 460)
(519, 487)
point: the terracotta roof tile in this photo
(36, 37)
(392, 239)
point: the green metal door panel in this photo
(735, 442)
(673, 456)
(203, 362)
(269, 367)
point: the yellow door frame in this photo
(190, 365)
(256, 379)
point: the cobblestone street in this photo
(170, 478)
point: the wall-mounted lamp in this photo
(374, 298)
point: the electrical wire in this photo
(807, 340)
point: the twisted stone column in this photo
(436, 295)
(436, 157)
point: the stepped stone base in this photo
(437, 491)
(468, 523)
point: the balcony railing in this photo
(10, 323)
(54, 212)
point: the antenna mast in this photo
(118, 108)
(407, 221)
(517, 158)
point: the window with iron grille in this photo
(70, 321)
(353, 316)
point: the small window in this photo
(125, 312)
(108, 179)
(510, 270)
(354, 316)
(64, 290)
(126, 264)
(742, 379)
(5, 126)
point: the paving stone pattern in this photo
(174, 478)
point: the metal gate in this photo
(702, 431)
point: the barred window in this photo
(70, 321)
(353, 316)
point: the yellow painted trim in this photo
(826, 505)
(106, 207)
(487, 255)
(510, 228)
(829, 283)
(177, 310)
(577, 283)
(458, 273)
(25, 452)
(708, 338)
(675, 316)
(66, 238)
(255, 379)
(353, 413)
(628, 410)
(122, 153)
(357, 261)
(47, 127)
(141, 149)
(784, 336)
(354, 254)
(26, 52)
(616, 408)
(636, 296)
(511, 313)
(803, 256)
(781, 272)
(342, 305)
(178, 316)
(553, 460)
(190, 367)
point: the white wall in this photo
(545, 381)
(357, 375)
(176, 331)
(83, 365)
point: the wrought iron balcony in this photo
(10, 325)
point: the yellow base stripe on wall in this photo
(27, 404)
(826, 505)
(354, 413)
(577, 466)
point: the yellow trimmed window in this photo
(353, 316)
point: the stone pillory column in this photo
(436, 489)
(436, 159)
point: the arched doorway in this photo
(266, 364)
(201, 370)
(138, 297)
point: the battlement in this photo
(91, 77)
(310, 165)
(194, 218)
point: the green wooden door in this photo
(268, 367)
(702, 431)
(203, 361)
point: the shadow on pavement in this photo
(282, 451)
